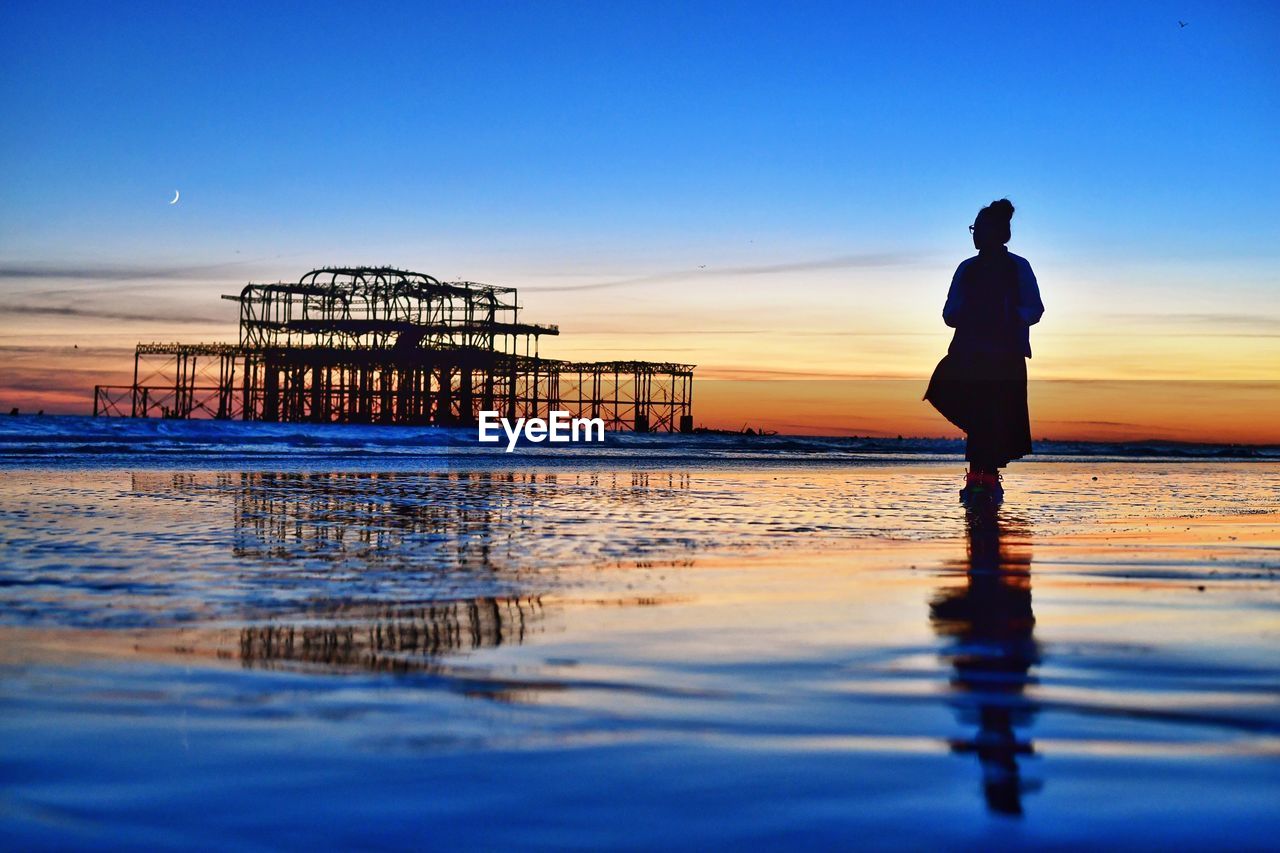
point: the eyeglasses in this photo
(970, 229)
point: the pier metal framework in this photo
(380, 345)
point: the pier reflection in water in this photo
(451, 521)
(483, 519)
(228, 545)
(420, 528)
(387, 638)
(989, 627)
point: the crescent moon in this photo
(175, 197)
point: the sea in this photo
(76, 440)
(224, 635)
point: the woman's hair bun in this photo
(1002, 208)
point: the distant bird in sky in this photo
(175, 197)
(1181, 24)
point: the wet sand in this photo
(693, 657)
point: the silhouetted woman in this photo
(981, 384)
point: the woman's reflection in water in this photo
(992, 648)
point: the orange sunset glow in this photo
(849, 358)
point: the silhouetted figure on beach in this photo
(981, 384)
(990, 624)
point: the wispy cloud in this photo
(64, 377)
(75, 280)
(865, 260)
(108, 314)
(1263, 322)
(732, 373)
(648, 333)
(803, 333)
(105, 271)
(26, 351)
(1042, 424)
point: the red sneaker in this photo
(980, 486)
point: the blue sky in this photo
(547, 144)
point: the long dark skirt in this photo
(985, 394)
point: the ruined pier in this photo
(378, 345)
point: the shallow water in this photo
(604, 654)
(67, 440)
